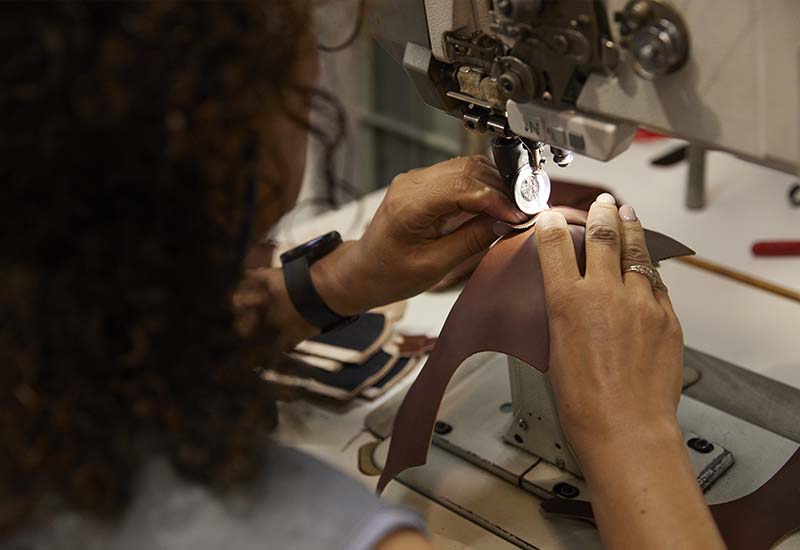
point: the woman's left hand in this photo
(430, 221)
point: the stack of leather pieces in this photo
(365, 358)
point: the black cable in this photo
(362, 4)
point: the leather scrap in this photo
(399, 370)
(501, 309)
(757, 521)
(415, 344)
(354, 343)
(342, 385)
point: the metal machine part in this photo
(561, 157)
(531, 190)
(520, 165)
(529, 52)
(655, 36)
(569, 130)
(536, 56)
(478, 412)
(480, 417)
(535, 428)
(497, 485)
(589, 57)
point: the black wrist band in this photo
(304, 296)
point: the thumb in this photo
(472, 237)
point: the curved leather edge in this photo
(509, 270)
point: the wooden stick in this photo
(741, 277)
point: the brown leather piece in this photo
(501, 309)
(576, 195)
(564, 193)
(757, 521)
(761, 519)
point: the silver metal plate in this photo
(531, 190)
(481, 425)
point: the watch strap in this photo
(305, 298)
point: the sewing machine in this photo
(581, 76)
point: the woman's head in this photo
(142, 144)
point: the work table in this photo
(721, 318)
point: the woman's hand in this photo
(616, 347)
(430, 221)
(615, 364)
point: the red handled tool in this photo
(776, 248)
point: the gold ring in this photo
(645, 270)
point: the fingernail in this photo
(606, 198)
(627, 213)
(501, 229)
(521, 216)
(547, 218)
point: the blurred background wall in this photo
(390, 129)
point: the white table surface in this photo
(729, 320)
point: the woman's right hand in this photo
(616, 356)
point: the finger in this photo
(633, 251)
(485, 160)
(456, 165)
(470, 239)
(473, 195)
(478, 166)
(490, 176)
(556, 251)
(602, 240)
(662, 295)
(450, 222)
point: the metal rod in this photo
(696, 180)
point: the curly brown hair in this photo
(130, 139)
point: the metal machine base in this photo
(482, 428)
(474, 472)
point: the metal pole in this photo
(696, 181)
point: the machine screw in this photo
(655, 35)
(510, 82)
(639, 12)
(442, 428)
(566, 490)
(700, 445)
(560, 44)
(610, 55)
(561, 157)
(547, 97)
(522, 424)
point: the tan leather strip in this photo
(501, 309)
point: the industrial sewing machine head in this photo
(581, 76)
(547, 78)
